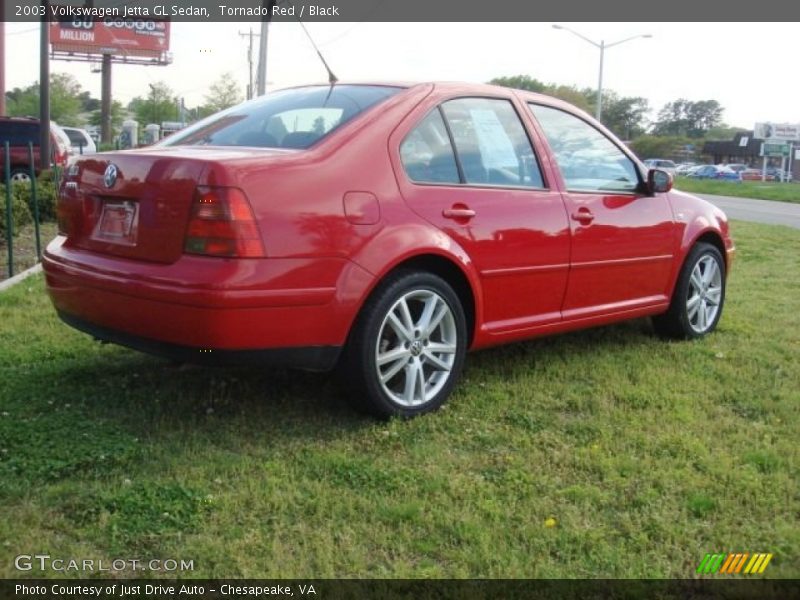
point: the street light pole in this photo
(602, 47)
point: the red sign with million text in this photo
(120, 37)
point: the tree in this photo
(23, 102)
(568, 93)
(653, 146)
(158, 106)
(582, 98)
(65, 104)
(88, 104)
(520, 82)
(65, 101)
(117, 116)
(625, 116)
(689, 118)
(223, 94)
(319, 126)
(724, 132)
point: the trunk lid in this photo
(137, 204)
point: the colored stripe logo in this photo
(735, 563)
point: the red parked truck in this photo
(386, 228)
(19, 132)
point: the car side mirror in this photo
(658, 181)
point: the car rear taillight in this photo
(222, 224)
(67, 195)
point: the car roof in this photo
(456, 87)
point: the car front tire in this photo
(407, 348)
(699, 296)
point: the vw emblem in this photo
(110, 176)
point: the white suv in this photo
(80, 140)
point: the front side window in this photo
(491, 143)
(588, 160)
(294, 118)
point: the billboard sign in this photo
(119, 37)
(777, 131)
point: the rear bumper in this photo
(312, 358)
(290, 312)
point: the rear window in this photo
(19, 133)
(295, 118)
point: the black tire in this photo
(20, 175)
(683, 322)
(416, 356)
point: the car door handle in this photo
(458, 212)
(583, 215)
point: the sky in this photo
(747, 67)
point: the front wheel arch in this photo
(676, 322)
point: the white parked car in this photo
(661, 163)
(80, 141)
(684, 168)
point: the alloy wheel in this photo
(416, 348)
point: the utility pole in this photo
(105, 100)
(44, 88)
(251, 35)
(2, 61)
(262, 49)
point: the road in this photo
(758, 211)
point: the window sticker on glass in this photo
(495, 146)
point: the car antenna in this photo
(332, 79)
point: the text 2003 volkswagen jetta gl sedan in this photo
(384, 228)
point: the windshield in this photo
(294, 118)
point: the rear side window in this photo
(427, 154)
(491, 146)
(491, 143)
(295, 118)
(588, 160)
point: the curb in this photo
(4, 285)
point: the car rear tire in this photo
(407, 348)
(699, 296)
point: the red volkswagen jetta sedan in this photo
(386, 229)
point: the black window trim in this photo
(462, 179)
(638, 191)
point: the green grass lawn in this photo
(767, 190)
(642, 455)
(24, 247)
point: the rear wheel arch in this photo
(443, 267)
